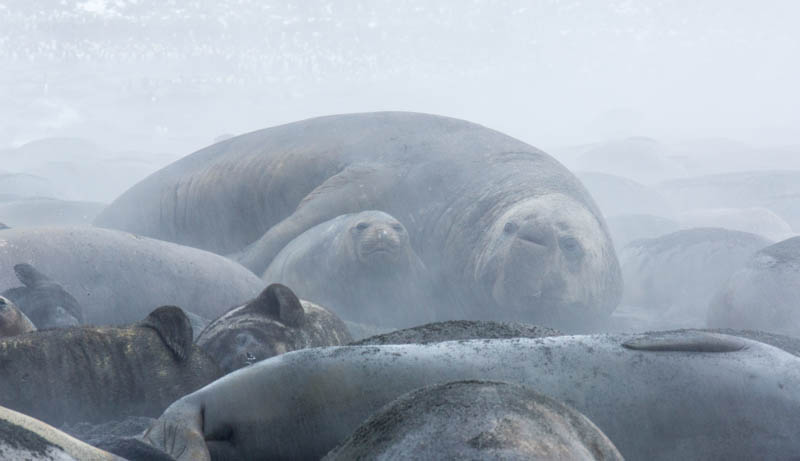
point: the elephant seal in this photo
(359, 265)
(453, 330)
(26, 438)
(12, 320)
(44, 300)
(119, 278)
(763, 293)
(43, 211)
(675, 395)
(674, 276)
(273, 323)
(476, 420)
(507, 231)
(94, 374)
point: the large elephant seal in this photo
(119, 278)
(676, 395)
(44, 300)
(98, 373)
(673, 277)
(12, 320)
(26, 438)
(361, 266)
(476, 420)
(273, 323)
(763, 294)
(508, 232)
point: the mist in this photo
(325, 218)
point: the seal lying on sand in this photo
(361, 266)
(507, 231)
(13, 321)
(476, 420)
(274, 323)
(97, 373)
(656, 396)
(44, 300)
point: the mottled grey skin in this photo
(763, 294)
(43, 211)
(476, 420)
(44, 300)
(98, 373)
(25, 438)
(119, 278)
(507, 231)
(453, 330)
(675, 275)
(360, 266)
(273, 323)
(12, 320)
(660, 396)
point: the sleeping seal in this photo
(673, 395)
(476, 420)
(359, 265)
(507, 231)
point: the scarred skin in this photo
(507, 232)
(672, 395)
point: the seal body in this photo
(476, 420)
(762, 293)
(97, 373)
(26, 438)
(656, 396)
(506, 230)
(453, 330)
(119, 278)
(674, 276)
(361, 266)
(44, 300)
(13, 321)
(273, 323)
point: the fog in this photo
(171, 76)
(253, 214)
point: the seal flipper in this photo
(357, 187)
(685, 341)
(179, 433)
(279, 302)
(29, 276)
(174, 328)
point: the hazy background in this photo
(147, 81)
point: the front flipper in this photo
(356, 188)
(685, 341)
(179, 433)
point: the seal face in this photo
(476, 420)
(360, 266)
(544, 252)
(274, 323)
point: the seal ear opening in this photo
(173, 327)
(685, 341)
(28, 275)
(279, 302)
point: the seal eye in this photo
(361, 226)
(510, 227)
(571, 246)
(397, 227)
